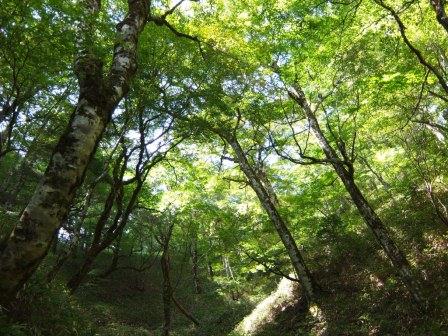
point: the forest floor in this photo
(360, 296)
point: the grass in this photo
(360, 296)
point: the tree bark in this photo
(98, 97)
(344, 169)
(76, 235)
(184, 311)
(266, 199)
(101, 240)
(439, 8)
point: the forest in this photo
(223, 168)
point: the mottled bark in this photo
(99, 95)
(76, 233)
(266, 199)
(104, 237)
(439, 8)
(344, 168)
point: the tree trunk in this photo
(102, 241)
(266, 199)
(185, 312)
(75, 281)
(210, 270)
(73, 245)
(55, 243)
(94, 248)
(167, 292)
(98, 97)
(344, 169)
(439, 8)
(6, 135)
(195, 267)
(227, 268)
(115, 258)
(439, 207)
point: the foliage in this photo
(216, 70)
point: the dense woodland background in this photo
(214, 167)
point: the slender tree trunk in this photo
(167, 291)
(102, 241)
(439, 207)
(344, 169)
(305, 277)
(94, 248)
(211, 273)
(75, 281)
(195, 267)
(98, 97)
(13, 183)
(6, 135)
(229, 274)
(184, 311)
(395, 255)
(54, 245)
(115, 258)
(227, 268)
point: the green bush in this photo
(44, 310)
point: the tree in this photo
(99, 95)
(343, 165)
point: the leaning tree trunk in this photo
(99, 95)
(101, 242)
(115, 258)
(437, 204)
(345, 172)
(439, 8)
(266, 198)
(76, 236)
